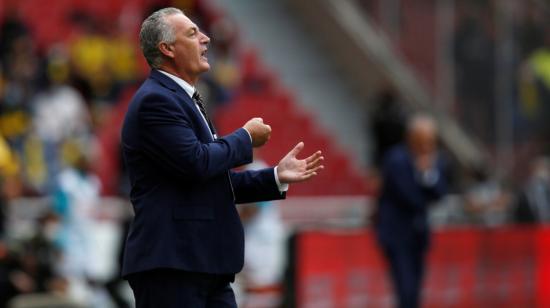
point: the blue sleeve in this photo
(168, 136)
(255, 186)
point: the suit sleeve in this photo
(255, 186)
(169, 138)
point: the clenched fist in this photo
(259, 131)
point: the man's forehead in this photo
(181, 21)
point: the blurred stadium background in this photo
(341, 75)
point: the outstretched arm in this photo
(261, 185)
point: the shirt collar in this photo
(189, 89)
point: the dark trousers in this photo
(168, 288)
(407, 270)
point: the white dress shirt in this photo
(190, 90)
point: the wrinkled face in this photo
(189, 48)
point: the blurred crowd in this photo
(44, 155)
(56, 103)
(481, 30)
(478, 196)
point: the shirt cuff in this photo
(249, 135)
(282, 187)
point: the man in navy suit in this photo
(186, 241)
(414, 176)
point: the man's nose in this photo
(205, 39)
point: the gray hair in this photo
(155, 30)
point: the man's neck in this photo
(170, 70)
(188, 88)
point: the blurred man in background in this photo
(487, 200)
(533, 204)
(413, 176)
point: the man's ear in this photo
(167, 49)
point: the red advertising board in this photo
(504, 267)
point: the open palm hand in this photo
(292, 170)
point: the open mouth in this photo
(203, 54)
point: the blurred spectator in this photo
(225, 70)
(19, 70)
(89, 55)
(535, 90)
(76, 202)
(27, 268)
(533, 204)
(9, 189)
(258, 285)
(122, 61)
(474, 58)
(9, 181)
(60, 111)
(103, 58)
(222, 80)
(487, 203)
(59, 114)
(530, 31)
(11, 30)
(413, 177)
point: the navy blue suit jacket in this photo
(403, 204)
(183, 190)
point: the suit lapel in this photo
(182, 96)
(167, 82)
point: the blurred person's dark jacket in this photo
(27, 269)
(403, 204)
(402, 226)
(533, 204)
(11, 29)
